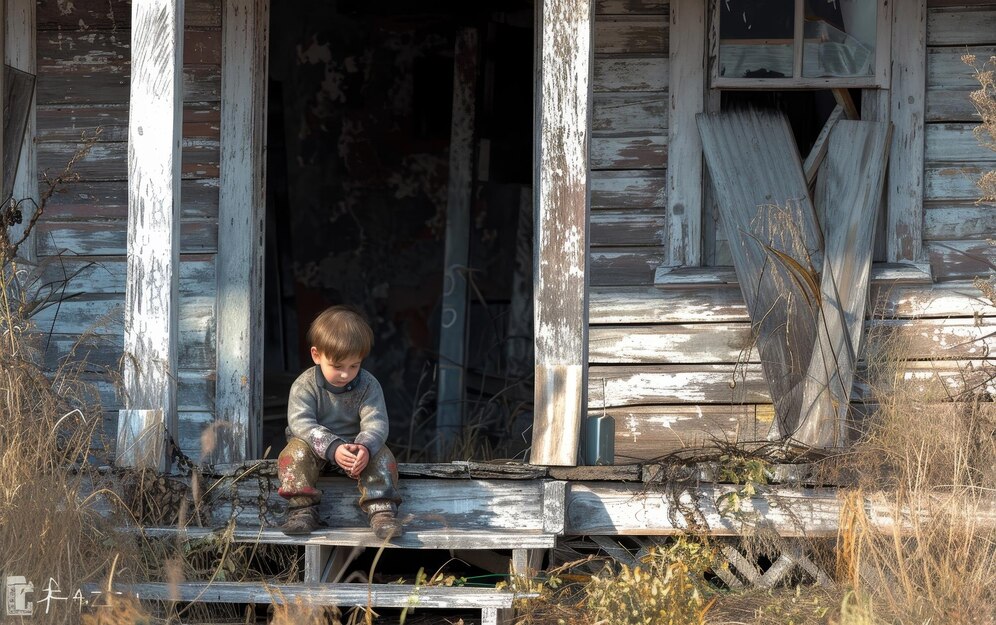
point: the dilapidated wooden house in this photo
(636, 290)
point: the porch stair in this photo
(521, 516)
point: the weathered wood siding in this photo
(83, 85)
(675, 366)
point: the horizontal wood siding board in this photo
(627, 227)
(109, 161)
(630, 73)
(956, 143)
(105, 275)
(195, 390)
(642, 152)
(110, 85)
(933, 4)
(718, 343)
(958, 260)
(56, 123)
(94, 352)
(85, 200)
(962, 26)
(625, 266)
(110, 238)
(952, 182)
(645, 433)
(115, 15)
(950, 105)
(629, 7)
(628, 189)
(93, 313)
(946, 222)
(83, 48)
(949, 82)
(634, 34)
(630, 385)
(629, 113)
(639, 305)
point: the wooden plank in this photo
(629, 112)
(241, 215)
(644, 152)
(453, 319)
(152, 295)
(19, 53)
(678, 344)
(631, 34)
(687, 91)
(345, 595)
(624, 266)
(107, 238)
(66, 124)
(627, 227)
(964, 26)
(625, 7)
(848, 192)
(651, 432)
(882, 274)
(141, 440)
(904, 223)
(107, 82)
(108, 161)
(764, 204)
(363, 537)
(953, 182)
(633, 305)
(955, 143)
(628, 189)
(95, 312)
(633, 385)
(959, 221)
(819, 150)
(65, 48)
(954, 260)
(115, 15)
(86, 200)
(560, 289)
(636, 73)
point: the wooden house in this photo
(637, 313)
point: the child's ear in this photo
(315, 356)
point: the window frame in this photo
(880, 79)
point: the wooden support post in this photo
(907, 108)
(687, 98)
(453, 330)
(561, 233)
(154, 132)
(19, 44)
(241, 219)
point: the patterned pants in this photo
(298, 468)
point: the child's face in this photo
(337, 373)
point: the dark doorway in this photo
(358, 163)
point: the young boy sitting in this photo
(336, 417)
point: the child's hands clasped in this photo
(352, 458)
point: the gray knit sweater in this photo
(325, 416)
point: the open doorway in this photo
(360, 102)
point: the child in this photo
(336, 417)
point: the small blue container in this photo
(600, 440)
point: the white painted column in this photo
(686, 99)
(904, 233)
(19, 44)
(151, 292)
(561, 233)
(241, 230)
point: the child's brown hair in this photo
(340, 332)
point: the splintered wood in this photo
(807, 309)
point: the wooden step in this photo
(342, 595)
(364, 537)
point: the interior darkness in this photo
(360, 103)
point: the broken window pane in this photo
(756, 38)
(839, 38)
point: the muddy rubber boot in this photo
(385, 525)
(301, 521)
